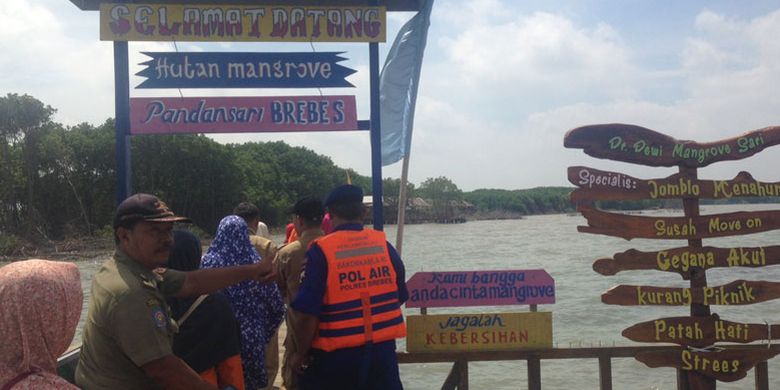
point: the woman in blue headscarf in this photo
(258, 307)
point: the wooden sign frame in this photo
(595, 185)
(480, 288)
(738, 292)
(699, 331)
(683, 260)
(686, 228)
(478, 332)
(639, 145)
(737, 362)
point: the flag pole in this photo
(399, 235)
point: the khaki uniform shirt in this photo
(265, 247)
(289, 264)
(128, 324)
(290, 261)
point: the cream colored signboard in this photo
(479, 332)
(182, 22)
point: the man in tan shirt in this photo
(251, 214)
(307, 217)
(128, 333)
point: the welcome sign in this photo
(242, 114)
(244, 70)
(187, 22)
(480, 288)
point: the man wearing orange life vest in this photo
(348, 307)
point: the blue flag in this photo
(398, 84)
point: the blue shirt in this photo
(315, 276)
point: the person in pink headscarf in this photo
(41, 303)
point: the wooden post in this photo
(682, 380)
(762, 376)
(605, 373)
(534, 366)
(534, 373)
(458, 378)
(399, 235)
(698, 280)
(463, 375)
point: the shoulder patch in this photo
(159, 318)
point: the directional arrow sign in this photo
(688, 228)
(681, 260)
(605, 185)
(738, 292)
(728, 366)
(639, 145)
(699, 331)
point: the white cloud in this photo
(499, 88)
(542, 51)
(43, 57)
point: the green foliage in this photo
(10, 244)
(443, 194)
(275, 175)
(60, 182)
(540, 200)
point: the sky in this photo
(501, 83)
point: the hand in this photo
(299, 363)
(266, 272)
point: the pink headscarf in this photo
(41, 304)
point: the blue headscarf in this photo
(257, 306)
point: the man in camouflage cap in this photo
(129, 330)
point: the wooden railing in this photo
(458, 377)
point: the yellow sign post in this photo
(479, 332)
(252, 23)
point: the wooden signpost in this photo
(682, 260)
(639, 145)
(727, 366)
(738, 292)
(483, 331)
(480, 288)
(699, 331)
(635, 144)
(479, 332)
(605, 185)
(687, 227)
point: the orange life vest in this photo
(361, 297)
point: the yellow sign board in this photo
(479, 332)
(253, 23)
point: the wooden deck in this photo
(458, 377)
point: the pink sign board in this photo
(480, 288)
(172, 115)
